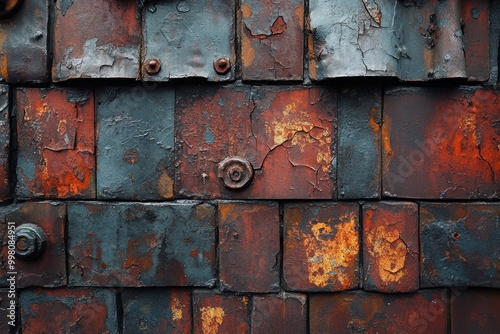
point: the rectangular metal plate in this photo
(283, 313)
(475, 311)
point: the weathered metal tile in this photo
(272, 39)
(475, 311)
(441, 143)
(209, 25)
(249, 247)
(152, 244)
(56, 143)
(459, 244)
(8, 311)
(156, 311)
(23, 44)
(283, 313)
(390, 247)
(135, 158)
(494, 37)
(359, 156)
(4, 143)
(69, 311)
(361, 311)
(410, 40)
(321, 246)
(96, 40)
(49, 269)
(214, 313)
(286, 133)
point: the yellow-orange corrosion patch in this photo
(176, 307)
(386, 141)
(299, 11)
(211, 319)
(165, 185)
(247, 51)
(246, 10)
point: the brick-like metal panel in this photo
(23, 43)
(187, 37)
(133, 244)
(96, 39)
(475, 311)
(152, 311)
(360, 311)
(4, 143)
(459, 244)
(441, 143)
(249, 245)
(48, 270)
(56, 144)
(390, 247)
(69, 311)
(321, 246)
(286, 133)
(272, 39)
(215, 313)
(284, 313)
(135, 145)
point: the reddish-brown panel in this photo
(49, 269)
(154, 311)
(283, 313)
(220, 313)
(321, 246)
(286, 133)
(272, 40)
(56, 143)
(8, 311)
(368, 312)
(441, 143)
(4, 143)
(460, 244)
(475, 27)
(390, 246)
(68, 311)
(96, 39)
(475, 311)
(249, 245)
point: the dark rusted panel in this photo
(359, 156)
(23, 44)
(494, 36)
(249, 246)
(55, 143)
(272, 42)
(368, 312)
(49, 269)
(283, 313)
(390, 246)
(459, 244)
(135, 158)
(4, 143)
(156, 311)
(441, 143)
(8, 311)
(96, 39)
(286, 133)
(187, 37)
(475, 311)
(68, 311)
(214, 313)
(321, 246)
(152, 244)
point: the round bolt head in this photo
(222, 65)
(9, 7)
(152, 66)
(235, 172)
(30, 241)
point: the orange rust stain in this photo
(279, 26)
(373, 123)
(247, 51)
(165, 185)
(246, 10)
(299, 11)
(386, 141)
(136, 261)
(3, 57)
(211, 319)
(312, 56)
(176, 308)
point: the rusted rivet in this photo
(235, 172)
(30, 241)
(152, 66)
(9, 7)
(222, 65)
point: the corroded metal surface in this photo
(475, 311)
(96, 39)
(286, 133)
(153, 244)
(272, 42)
(23, 43)
(390, 247)
(441, 143)
(459, 244)
(249, 245)
(210, 27)
(135, 143)
(155, 311)
(69, 311)
(283, 313)
(8, 312)
(49, 269)
(321, 246)
(4, 143)
(56, 145)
